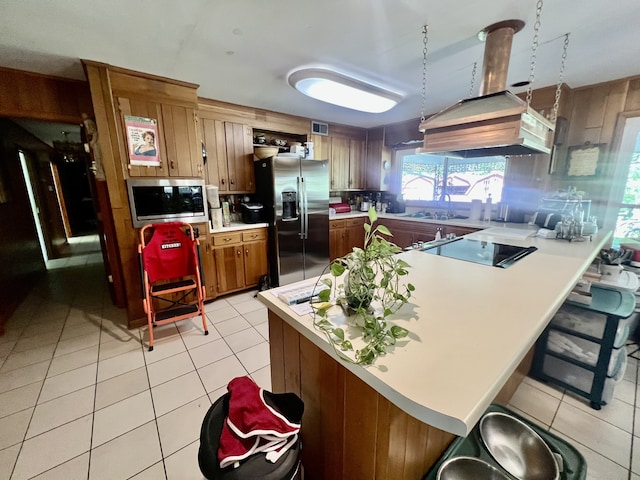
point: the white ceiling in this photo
(240, 51)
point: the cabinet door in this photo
(427, 232)
(321, 147)
(214, 142)
(239, 143)
(208, 267)
(356, 163)
(230, 268)
(339, 163)
(355, 233)
(255, 262)
(337, 239)
(401, 231)
(147, 109)
(183, 149)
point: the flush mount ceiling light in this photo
(338, 89)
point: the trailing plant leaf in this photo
(370, 275)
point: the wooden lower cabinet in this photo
(344, 234)
(407, 232)
(355, 232)
(236, 261)
(255, 262)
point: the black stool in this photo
(256, 467)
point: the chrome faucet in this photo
(445, 197)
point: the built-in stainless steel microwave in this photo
(155, 200)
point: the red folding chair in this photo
(173, 287)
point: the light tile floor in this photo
(82, 398)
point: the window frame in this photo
(408, 150)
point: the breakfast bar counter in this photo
(472, 328)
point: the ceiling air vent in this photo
(319, 128)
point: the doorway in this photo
(62, 183)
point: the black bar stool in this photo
(255, 467)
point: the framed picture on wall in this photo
(142, 138)
(584, 160)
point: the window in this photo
(430, 177)
(628, 219)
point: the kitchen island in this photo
(472, 330)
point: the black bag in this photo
(263, 284)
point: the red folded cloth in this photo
(252, 425)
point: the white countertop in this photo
(459, 222)
(235, 226)
(471, 325)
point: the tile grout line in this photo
(153, 403)
(633, 421)
(95, 394)
(24, 437)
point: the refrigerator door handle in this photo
(300, 187)
(304, 210)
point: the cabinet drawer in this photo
(581, 378)
(354, 222)
(336, 224)
(583, 350)
(587, 322)
(227, 239)
(253, 235)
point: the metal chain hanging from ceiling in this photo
(556, 103)
(473, 79)
(425, 41)
(534, 48)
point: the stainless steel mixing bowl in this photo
(517, 448)
(469, 468)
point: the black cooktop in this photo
(476, 251)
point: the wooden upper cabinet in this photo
(182, 145)
(321, 147)
(339, 163)
(356, 163)
(346, 159)
(216, 148)
(177, 142)
(239, 140)
(229, 149)
(377, 161)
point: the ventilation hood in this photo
(495, 123)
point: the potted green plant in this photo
(367, 285)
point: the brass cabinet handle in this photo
(222, 181)
(231, 181)
(173, 166)
(246, 251)
(238, 252)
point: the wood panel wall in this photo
(596, 116)
(42, 97)
(350, 431)
(106, 83)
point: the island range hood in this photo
(495, 123)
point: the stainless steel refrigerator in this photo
(295, 195)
